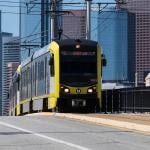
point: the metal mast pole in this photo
(52, 20)
(88, 20)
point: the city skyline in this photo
(10, 14)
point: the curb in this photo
(109, 122)
(41, 114)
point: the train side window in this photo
(26, 77)
(35, 75)
(51, 63)
(29, 75)
(28, 72)
(41, 70)
(38, 70)
(42, 64)
(45, 67)
(22, 79)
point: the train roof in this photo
(35, 55)
(26, 61)
(41, 51)
(61, 43)
(67, 42)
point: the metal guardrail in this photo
(126, 100)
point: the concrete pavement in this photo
(134, 122)
(121, 122)
(52, 132)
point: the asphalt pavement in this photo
(52, 132)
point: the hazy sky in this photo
(10, 21)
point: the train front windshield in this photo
(78, 67)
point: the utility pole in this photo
(29, 46)
(54, 12)
(88, 20)
(53, 9)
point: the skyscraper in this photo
(74, 24)
(141, 21)
(109, 28)
(10, 53)
(34, 25)
(11, 68)
(0, 67)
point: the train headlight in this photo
(90, 90)
(66, 90)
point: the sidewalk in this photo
(134, 122)
(127, 117)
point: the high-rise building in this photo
(110, 29)
(34, 25)
(74, 24)
(0, 66)
(10, 53)
(11, 68)
(140, 19)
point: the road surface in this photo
(51, 132)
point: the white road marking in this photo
(45, 137)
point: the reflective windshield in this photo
(78, 67)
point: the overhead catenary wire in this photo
(36, 12)
(28, 36)
(40, 13)
(24, 5)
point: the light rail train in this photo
(63, 76)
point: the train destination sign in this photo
(78, 53)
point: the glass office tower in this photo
(34, 25)
(140, 10)
(10, 53)
(109, 28)
(0, 67)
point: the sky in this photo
(10, 21)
